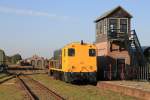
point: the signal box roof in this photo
(107, 14)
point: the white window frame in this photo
(118, 22)
(127, 25)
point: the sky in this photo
(39, 27)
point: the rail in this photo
(25, 87)
(40, 86)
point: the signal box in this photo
(112, 41)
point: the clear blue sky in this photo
(40, 26)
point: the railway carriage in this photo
(2, 61)
(74, 62)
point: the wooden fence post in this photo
(110, 76)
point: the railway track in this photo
(35, 90)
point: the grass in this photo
(4, 76)
(9, 90)
(10, 93)
(79, 92)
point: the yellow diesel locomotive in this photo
(74, 62)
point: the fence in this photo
(143, 72)
(131, 73)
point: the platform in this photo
(140, 90)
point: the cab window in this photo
(92, 52)
(71, 52)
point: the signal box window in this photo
(113, 24)
(92, 52)
(71, 52)
(123, 25)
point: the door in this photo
(121, 69)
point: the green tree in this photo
(15, 58)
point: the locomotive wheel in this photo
(66, 78)
(55, 75)
(1, 68)
(49, 73)
(62, 76)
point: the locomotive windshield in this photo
(92, 52)
(71, 52)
